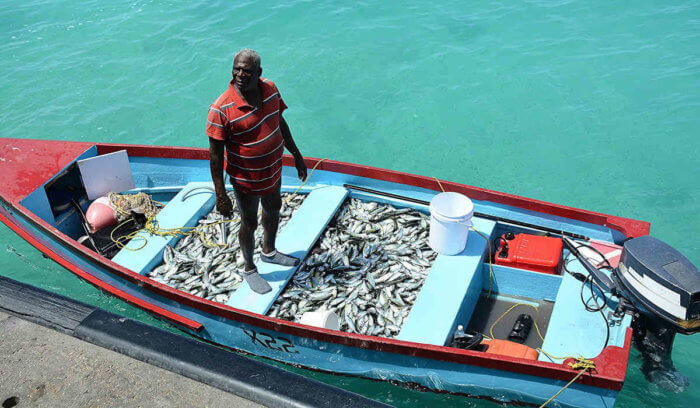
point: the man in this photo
(246, 121)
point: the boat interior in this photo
(470, 292)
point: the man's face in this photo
(245, 73)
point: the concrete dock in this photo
(41, 367)
(56, 352)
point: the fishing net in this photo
(141, 203)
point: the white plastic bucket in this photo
(321, 318)
(450, 220)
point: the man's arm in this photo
(292, 148)
(216, 165)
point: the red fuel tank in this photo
(531, 252)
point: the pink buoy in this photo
(100, 214)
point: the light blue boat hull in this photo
(443, 376)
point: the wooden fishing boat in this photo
(452, 294)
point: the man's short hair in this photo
(248, 53)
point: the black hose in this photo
(497, 247)
(594, 249)
(578, 275)
(598, 307)
(84, 224)
(589, 279)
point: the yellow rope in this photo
(152, 227)
(565, 387)
(509, 310)
(307, 179)
(580, 363)
(439, 184)
(539, 333)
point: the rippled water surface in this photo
(592, 104)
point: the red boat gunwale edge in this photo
(611, 363)
(627, 226)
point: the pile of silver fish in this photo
(367, 267)
(208, 265)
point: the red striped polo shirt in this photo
(254, 143)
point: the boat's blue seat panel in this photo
(573, 331)
(519, 282)
(450, 291)
(297, 238)
(177, 213)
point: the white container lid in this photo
(321, 318)
(452, 206)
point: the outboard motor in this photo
(661, 288)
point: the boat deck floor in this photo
(488, 310)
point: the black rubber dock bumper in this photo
(239, 375)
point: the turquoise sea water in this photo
(592, 104)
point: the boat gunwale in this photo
(612, 360)
(627, 226)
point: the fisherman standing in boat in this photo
(246, 121)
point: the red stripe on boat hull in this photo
(166, 314)
(609, 376)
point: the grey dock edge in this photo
(239, 375)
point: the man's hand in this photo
(224, 205)
(301, 167)
(216, 164)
